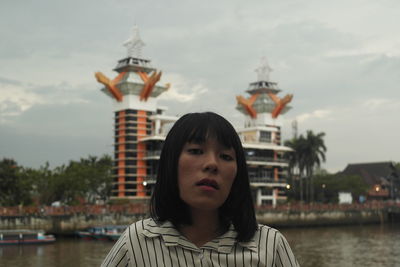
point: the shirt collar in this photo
(172, 237)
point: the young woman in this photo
(202, 213)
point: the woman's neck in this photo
(204, 228)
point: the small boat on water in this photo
(114, 233)
(107, 232)
(22, 236)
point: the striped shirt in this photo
(145, 243)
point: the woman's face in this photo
(206, 172)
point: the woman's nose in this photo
(210, 163)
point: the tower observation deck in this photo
(138, 121)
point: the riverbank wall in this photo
(322, 215)
(67, 220)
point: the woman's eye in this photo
(195, 151)
(226, 157)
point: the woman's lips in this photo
(207, 188)
(208, 184)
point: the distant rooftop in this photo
(372, 172)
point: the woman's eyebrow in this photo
(224, 147)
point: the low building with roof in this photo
(382, 177)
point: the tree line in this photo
(88, 180)
(308, 183)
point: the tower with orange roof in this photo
(261, 136)
(138, 121)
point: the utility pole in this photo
(294, 128)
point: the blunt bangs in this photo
(207, 126)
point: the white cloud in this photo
(316, 114)
(381, 104)
(361, 131)
(15, 99)
(368, 48)
(181, 89)
(358, 112)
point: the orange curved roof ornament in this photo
(280, 103)
(111, 85)
(247, 104)
(149, 83)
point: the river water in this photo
(366, 246)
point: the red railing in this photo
(143, 208)
(375, 205)
(71, 210)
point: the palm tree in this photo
(314, 154)
(296, 162)
(308, 153)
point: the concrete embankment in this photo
(321, 218)
(66, 220)
(65, 224)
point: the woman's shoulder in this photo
(142, 222)
(274, 242)
(141, 225)
(151, 228)
(122, 251)
(266, 233)
(266, 229)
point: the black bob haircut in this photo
(166, 203)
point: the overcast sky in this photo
(340, 59)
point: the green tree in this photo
(14, 186)
(314, 154)
(90, 179)
(328, 186)
(308, 153)
(43, 184)
(101, 182)
(296, 164)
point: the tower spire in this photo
(134, 44)
(263, 70)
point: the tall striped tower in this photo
(135, 93)
(261, 137)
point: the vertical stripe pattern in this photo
(145, 243)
